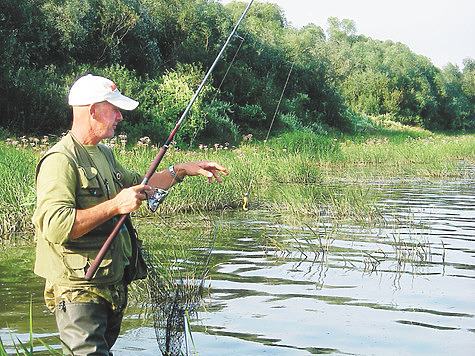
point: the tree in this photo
(455, 105)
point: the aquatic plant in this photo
(28, 348)
(17, 193)
(293, 174)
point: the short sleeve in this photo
(56, 198)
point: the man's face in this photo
(106, 117)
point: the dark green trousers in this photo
(88, 328)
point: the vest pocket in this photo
(90, 191)
(77, 265)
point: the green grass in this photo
(408, 150)
(294, 173)
(422, 155)
(17, 193)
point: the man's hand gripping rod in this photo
(158, 158)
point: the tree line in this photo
(157, 52)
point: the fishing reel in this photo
(156, 198)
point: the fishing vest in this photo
(67, 263)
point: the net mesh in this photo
(177, 270)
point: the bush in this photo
(36, 102)
(251, 119)
(164, 100)
(361, 123)
(219, 128)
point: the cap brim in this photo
(122, 102)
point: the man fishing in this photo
(81, 189)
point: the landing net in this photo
(177, 270)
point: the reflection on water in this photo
(404, 285)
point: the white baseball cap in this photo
(91, 89)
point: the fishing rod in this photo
(158, 158)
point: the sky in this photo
(442, 30)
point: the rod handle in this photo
(102, 252)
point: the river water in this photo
(401, 284)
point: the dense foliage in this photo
(158, 51)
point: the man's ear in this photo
(92, 110)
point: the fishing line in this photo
(218, 89)
(242, 39)
(245, 201)
(280, 99)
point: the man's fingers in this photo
(216, 175)
(208, 169)
(218, 167)
(142, 190)
(141, 187)
(210, 173)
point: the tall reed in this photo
(17, 192)
(434, 155)
(293, 173)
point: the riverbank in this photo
(260, 172)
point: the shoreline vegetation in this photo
(314, 78)
(294, 174)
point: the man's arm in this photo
(129, 199)
(126, 201)
(208, 169)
